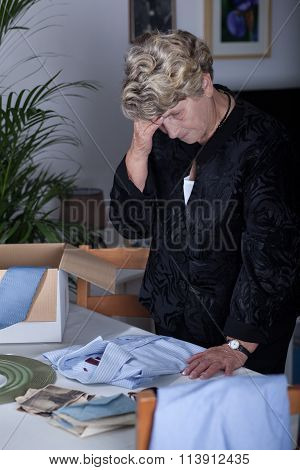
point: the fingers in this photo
(204, 370)
(195, 356)
(143, 131)
(229, 369)
(211, 370)
(158, 121)
(196, 367)
(200, 354)
(199, 370)
(146, 127)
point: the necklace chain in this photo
(227, 111)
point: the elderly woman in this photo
(210, 179)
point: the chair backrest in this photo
(126, 305)
(146, 403)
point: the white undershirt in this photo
(187, 188)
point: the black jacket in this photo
(226, 263)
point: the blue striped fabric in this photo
(128, 361)
(17, 289)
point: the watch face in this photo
(234, 344)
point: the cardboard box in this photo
(47, 316)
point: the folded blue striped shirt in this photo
(128, 361)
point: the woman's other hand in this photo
(219, 358)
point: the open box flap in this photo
(31, 254)
(90, 268)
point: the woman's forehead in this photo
(175, 108)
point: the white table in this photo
(23, 431)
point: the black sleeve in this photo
(131, 210)
(269, 246)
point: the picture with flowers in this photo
(238, 28)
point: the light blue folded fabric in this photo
(99, 408)
(128, 361)
(227, 413)
(17, 289)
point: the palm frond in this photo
(10, 12)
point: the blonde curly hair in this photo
(161, 70)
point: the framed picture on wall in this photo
(149, 15)
(238, 28)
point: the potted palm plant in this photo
(30, 126)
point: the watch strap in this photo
(244, 350)
(241, 348)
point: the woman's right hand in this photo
(143, 132)
(137, 156)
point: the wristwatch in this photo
(235, 345)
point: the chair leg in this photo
(83, 287)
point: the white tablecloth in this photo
(23, 431)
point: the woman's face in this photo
(190, 120)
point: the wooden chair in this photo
(146, 403)
(126, 305)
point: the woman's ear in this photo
(207, 85)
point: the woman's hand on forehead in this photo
(158, 120)
(142, 136)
